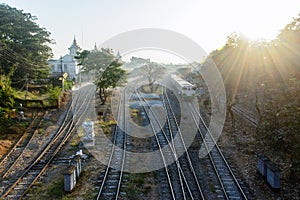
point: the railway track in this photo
(180, 180)
(187, 160)
(18, 186)
(15, 153)
(252, 120)
(231, 188)
(110, 181)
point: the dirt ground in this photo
(4, 146)
(9, 136)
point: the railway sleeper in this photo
(13, 196)
(112, 181)
(18, 188)
(110, 187)
(33, 172)
(123, 193)
(108, 194)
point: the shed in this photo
(273, 175)
(69, 178)
(77, 163)
(262, 164)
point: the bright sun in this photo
(262, 19)
(262, 33)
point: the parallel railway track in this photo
(181, 177)
(179, 180)
(9, 161)
(111, 179)
(229, 183)
(19, 186)
(252, 120)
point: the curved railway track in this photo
(17, 187)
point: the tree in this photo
(23, 44)
(232, 63)
(81, 56)
(106, 67)
(6, 92)
(280, 123)
(152, 71)
(112, 76)
(96, 59)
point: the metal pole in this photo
(26, 93)
(62, 73)
(61, 67)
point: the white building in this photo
(67, 64)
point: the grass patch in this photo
(107, 126)
(74, 142)
(137, 186)
(41, 131)
(55, 190)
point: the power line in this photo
(9, 53)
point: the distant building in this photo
(136, 60)
(67, 64)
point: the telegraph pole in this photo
(0, 58)
(61, 67)
(62, 73)
(26, 93)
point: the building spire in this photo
(75, 42)
(95, 47)
(74, 48)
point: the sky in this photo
(208, 23)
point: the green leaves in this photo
(107, 68)
(6, 93)
(23, 44)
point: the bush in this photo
(68, 84)
(54, 92)
(6, 93)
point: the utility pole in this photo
(62, 73)
(0, 56)
(61, 67)
(26, 93)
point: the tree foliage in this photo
(152, 72)
(23, 44)
(106, 67)
(81, 56)
(96, 59)
(6, 92)
(264, 76)
(112, 76)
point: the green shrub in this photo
(54, 92)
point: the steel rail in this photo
(184, 145)
(67, 127)
(220, 152)
(108, 169)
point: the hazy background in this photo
(206, 22)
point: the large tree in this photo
(264, 76)
(106, 67)
(152, 72)
(23, 44)
(95, 60)
(112, 76)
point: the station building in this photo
(67, 63)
